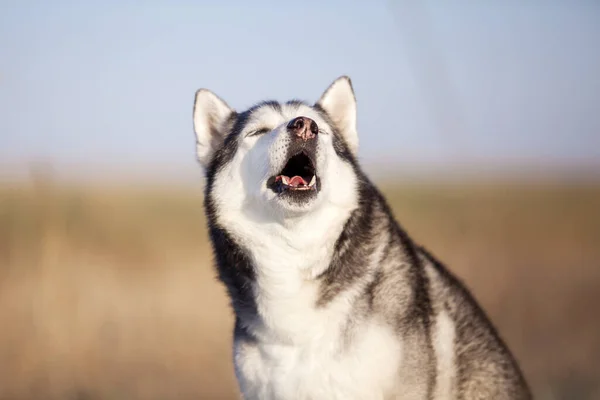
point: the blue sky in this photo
(110, 84)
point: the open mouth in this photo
(299, 174)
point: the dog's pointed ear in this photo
(210, 117)
(339, 102)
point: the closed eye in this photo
(257, 132)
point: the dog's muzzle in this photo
(299, 172)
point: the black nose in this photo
(303, 127)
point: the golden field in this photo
(107, 292)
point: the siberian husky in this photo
(332, 299)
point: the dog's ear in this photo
(210, 117)
(339, 103)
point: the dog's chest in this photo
(322, 369)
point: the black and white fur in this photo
(332, 299)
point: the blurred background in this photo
(479, 120)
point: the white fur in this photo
(315, 370)
(340, 103)
(443, 344)
(289, 244)
(298, 352)
(210, 112)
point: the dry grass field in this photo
(108, 292)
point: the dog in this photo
(332, 298)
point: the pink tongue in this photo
(296, 181)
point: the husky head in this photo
(278, 161)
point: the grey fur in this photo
(396, 281)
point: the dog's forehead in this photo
(272, 115)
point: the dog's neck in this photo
(299, 243)
(287, 257)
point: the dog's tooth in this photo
(285, 180)
(312, 181)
